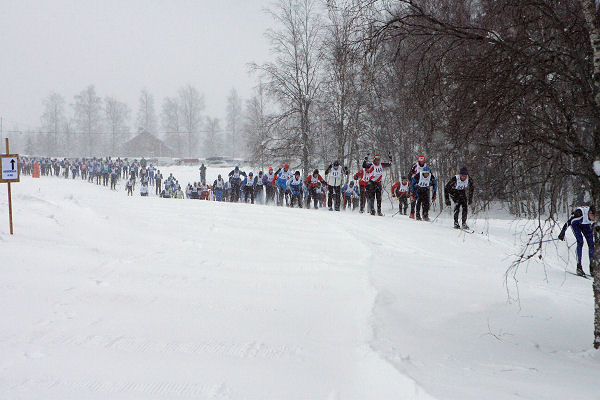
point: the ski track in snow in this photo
(114, 297)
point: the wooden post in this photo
(10, 220)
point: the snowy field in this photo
(106, 296)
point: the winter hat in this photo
(404, 178)
(351, 183)
(297, 173)
(250, 174)
(236, 167)
(421, 158)
(336, 163)
(316, 172)
(286, 166)
(270, 168)
(463, 171)
(426, 170)
(377, 156)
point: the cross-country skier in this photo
(269, 184)
(158, 180)
(114, 177)
(375, 175)
(235, 180)
(151, 174)
(258, 191)
(125, 169)
(334, 175)
(219, 188)
(416, 168)
(282, 176)
(202, 174)
(363, 179)
(419, 188)
(582, 222)
(313, 183)
(144, 189)
(129, 186)
(401, 190)
(105, 173)
(296, 189)
(248, 186)
(460, 189)
(351, 194)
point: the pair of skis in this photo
(588, 277)
(465, 230)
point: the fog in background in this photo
(122, 47)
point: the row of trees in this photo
(508, 88)
(93, 126)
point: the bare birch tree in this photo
(53, 119)
(233, 116)
(88, 119)
(212, 141)
(293, 78)
(117, 114)
(592, 18)
(170, 118)
(191, 104)
(146, 115)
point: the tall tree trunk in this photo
(595, 266)
(593, 24)
(305, 139)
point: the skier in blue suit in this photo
(249, 186)
(582, 222)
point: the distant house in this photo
(146, 145)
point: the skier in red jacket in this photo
(363, 178)
(312, 182)
(401, 190)
(375, 173)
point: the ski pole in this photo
(545, 241)
(436, 217)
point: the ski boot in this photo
(580, 270)
(412, 216)
(465, 226)
(426, 218)
(379, 213)
(456, 225)
(330, 208)
(372, 212)
(418, 217)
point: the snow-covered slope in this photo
(105, 296)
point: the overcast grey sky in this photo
(121, 46)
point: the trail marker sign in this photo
(10, 168)
(10, 173)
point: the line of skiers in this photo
(109, 172)
(415, 189)
(281, 186)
